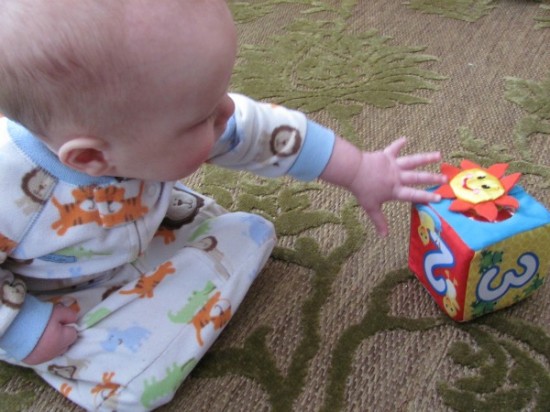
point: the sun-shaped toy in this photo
(479, 192)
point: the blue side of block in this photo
(478, 235)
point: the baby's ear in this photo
(85, 154)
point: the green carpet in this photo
(336, 321)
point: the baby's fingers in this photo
(409, 178)
(413, 161)
(409, 194)
(395, 147)
(377, 217)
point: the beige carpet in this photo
(336, 321)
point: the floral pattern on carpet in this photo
(336, 321)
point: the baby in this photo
(115, 277)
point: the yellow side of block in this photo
(507, 272)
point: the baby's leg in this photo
(138, 344)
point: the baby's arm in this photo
(377, 177)
(31, 330)
(273, 141)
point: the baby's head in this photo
(133, 88)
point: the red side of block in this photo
(440, 260)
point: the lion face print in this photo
(36, 186)
(285, 141)
(183, 208)
(12, 294)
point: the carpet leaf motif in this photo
(244, 12)
(22, 399)
(471, 10)
(534, 98)
(286, 204)
(506, 377)
(248, 11)
(377, 319)
(543, 18)
(467, 10)
(318, 66)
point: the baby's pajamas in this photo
(153, 269)
(139, 341)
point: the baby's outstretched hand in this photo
(377, 177)
(57, 336)
(384, 176)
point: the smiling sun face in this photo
(481, 191)
(476, 186)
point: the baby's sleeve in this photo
(23, 317)
(272, 141)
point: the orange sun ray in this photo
(507, 201)
(449, 170)
(509, 181)
(445, 191)
(459, 205)
(478, 191)
(498, 170)
(487, 210)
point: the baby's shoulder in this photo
(24, 190)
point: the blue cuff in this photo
(315, 154)
(227, 141)
(27, 328)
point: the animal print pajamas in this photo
(153, 269)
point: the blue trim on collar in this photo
(39, 153)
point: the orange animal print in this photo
(208, 315)
(121, 210)
(6, 244)
(106, 385)
(166, 234)
(81, 212)
(146, 284)
(65, 389)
